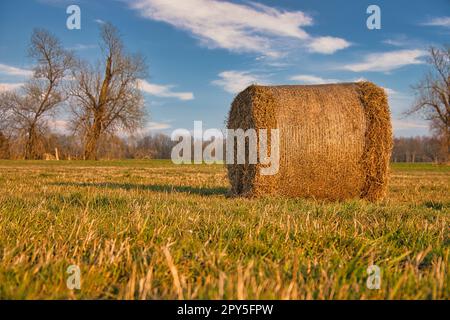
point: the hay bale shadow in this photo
(203, 191)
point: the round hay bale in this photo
(335, 140)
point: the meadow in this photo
(154, 230)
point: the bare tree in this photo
(3, 115)
(4, 147)
(154, 146)
(417, 149)
(433, 96)
(106, 97)
(26, 110)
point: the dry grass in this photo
(151, 230)
(335, 140)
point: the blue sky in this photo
(200, 53)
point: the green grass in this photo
(153, 230)
(426, 167)
(87, 164)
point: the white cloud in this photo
(438, 22)
(389, 91)
(99, 21)
(155, 126)
(164, 91)
(237, 27)
(80, 46)
(311, 79)
(59, 126)
(402, 41)
(394, 42)
(10, 86)
(236, 81)
(147, 129)
(328, 45)
(386, 61)
(13, 71)
(409, 124)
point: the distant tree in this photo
(28, 108)
(106, 97)
(67, 145)
(4, 141)
(4, 147)
(4, 114)
(156, 146)
(417, 149)
(432, 149)
(112, 147)
(433, 96)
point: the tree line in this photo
(68, 147)
(159, 146)
(419, 149)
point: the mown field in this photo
(153, 230)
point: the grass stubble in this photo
(153, 230)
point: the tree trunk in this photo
(446, 146)
(30, 145)
(90, 149)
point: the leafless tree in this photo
(154, 146)
(26, 111)
(417, 149)
(3, 116)
(106, 97)
(433, 96)
(4, 147)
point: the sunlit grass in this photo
(153, 230)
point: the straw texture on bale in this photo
(335, 140)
